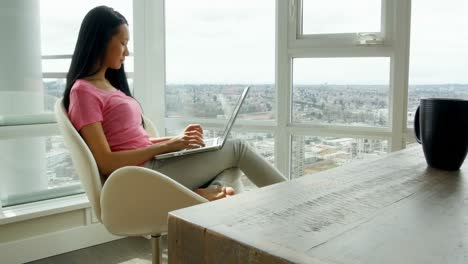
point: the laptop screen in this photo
(234, 115)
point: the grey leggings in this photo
(196, 170)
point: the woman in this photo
(102, 109)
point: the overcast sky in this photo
(232, 41)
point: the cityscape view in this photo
(352, 105)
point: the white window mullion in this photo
(399, 72)
(342, 131)
(283, 87)
(387, 21)
(266, 126)
(340, 52)
(28, 131)
(149, 76)
(292, 14)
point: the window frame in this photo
(296, 38)
(395, 33)
(290, 45)
(261, 126)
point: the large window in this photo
(217, 49)
(336, 73)
(213, 50)
(40, 39)
(341, 91)
(344, 76)
(45, 171)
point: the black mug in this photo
(441, 126)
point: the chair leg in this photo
(156, 248)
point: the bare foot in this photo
(215, 193)
(229, 191)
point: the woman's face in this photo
(117, 49)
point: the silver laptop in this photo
(211, 143)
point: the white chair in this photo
(134, 201)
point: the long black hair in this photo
(96, 31)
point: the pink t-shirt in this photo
(119, 114)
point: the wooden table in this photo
(389, 210)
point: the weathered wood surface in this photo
(389, 210)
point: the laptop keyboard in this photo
(210, 141)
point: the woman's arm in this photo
(191, 127)
(108, 161)
(160, 139)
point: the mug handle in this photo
(416, 126)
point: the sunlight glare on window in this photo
(213, 50)
(438, 52)
(341, 16)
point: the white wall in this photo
(50, 235)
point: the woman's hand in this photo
(190, 139)
(194, 127)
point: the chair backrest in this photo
(150, 128)
(82, 158)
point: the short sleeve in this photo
(85, 108)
